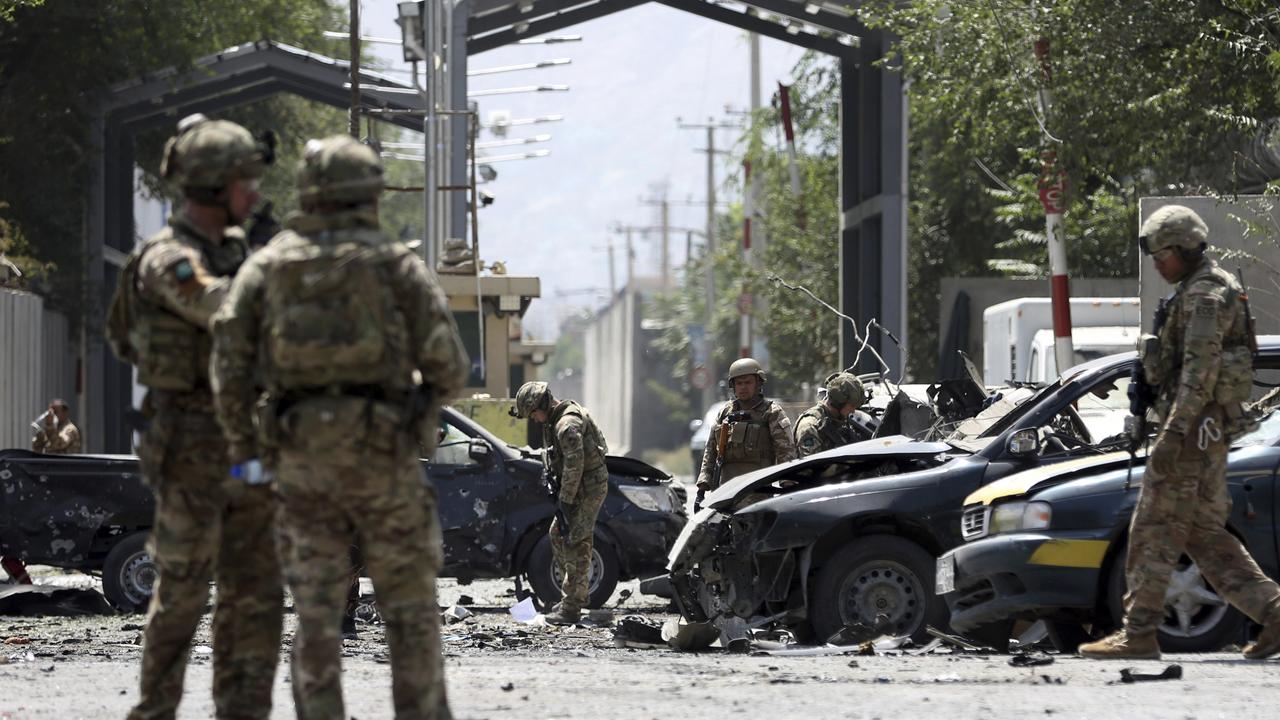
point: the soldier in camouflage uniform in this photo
(1201, 369)
(576, 457)
(825, 425)
(758, 432)
(350, 335)
(58, 436)
(207, 524)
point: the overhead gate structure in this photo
(873, 119)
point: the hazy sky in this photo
(633, 73)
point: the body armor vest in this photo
(750, 444)
(594, 447)
(169, 352)
(832, 432)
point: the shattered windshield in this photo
(976, 432)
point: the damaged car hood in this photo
(877, 450)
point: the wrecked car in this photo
(1050, 545)
(847, 535)
(93, 513)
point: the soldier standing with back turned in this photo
(1201, 367)
(576, 459)
(207, 524)
(750, 433)
(352, 338)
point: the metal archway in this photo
(873, 129)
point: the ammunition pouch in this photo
(1238, 421)
(1235, 376)
(1149, 357)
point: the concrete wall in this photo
(37, 364)
(984, 292)
(609, 377)
(1255, 250)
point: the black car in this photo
(1051, 546)
(847, 535)
(93, 513)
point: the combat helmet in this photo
(341, 170)
(531, 396)
(207, 155)
(1175, 226)
(745, 366)
(844, 388)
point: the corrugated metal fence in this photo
(37, 363)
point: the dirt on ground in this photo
(87, 667)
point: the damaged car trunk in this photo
(845, 536)
(93, 513)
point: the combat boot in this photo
(560, 615)
(1122, 646)
(1267, 644)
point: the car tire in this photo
(890, 575)
(1212, 626)
(545, 580)
(1066, 636)
(129, 573)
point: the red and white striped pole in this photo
(744, 300)
(1053, 190)
(788, 129)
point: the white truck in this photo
(1017, 336)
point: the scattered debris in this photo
(456, 614)
(465, 600)
(1131, 675)
(17, 641)
(859, 632)
(524, 611)
(689, 637)
(202, 650)
(34, 600)
(623, 596)
(508, 687)
(1038, 631)
(1031, 659)
(636, 631)
(602, 617)
(958, 641)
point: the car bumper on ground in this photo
(1027, 575)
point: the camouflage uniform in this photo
(1184, 507)
(761, 440)
(335, 319)
(207, 525)
(577, 451)
(57, 441)
(818, 429)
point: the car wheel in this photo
(1196, 618)
(544, 575)
(877, 575)
(129, 574)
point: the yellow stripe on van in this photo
(1070, 553)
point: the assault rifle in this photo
(1141, 394)
(551, 481)
(1251, 330)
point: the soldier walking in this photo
(576, 452)
(207, 524)
(750, 433)
(826, 425)
(1201, 368)
(352, 338)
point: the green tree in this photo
(56, 58)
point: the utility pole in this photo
(664, 227)
(1053, 197)
(353, 114)
(708, 392)
(753, 240)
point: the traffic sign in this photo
(700, 378)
